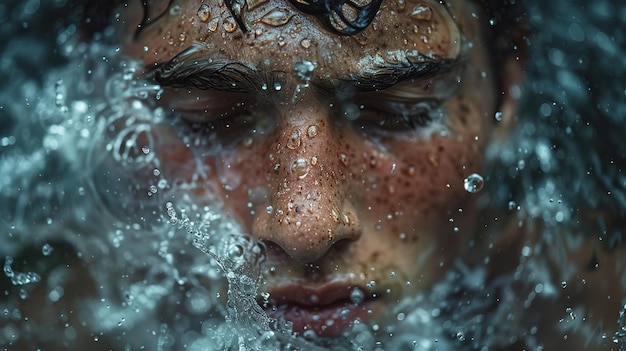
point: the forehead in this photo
(278, 35)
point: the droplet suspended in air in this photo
(473, 183)
(498, 116)
(356, 296)
(46, 249)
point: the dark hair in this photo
(505, 18)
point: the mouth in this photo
(324, 311)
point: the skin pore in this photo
(304, 137)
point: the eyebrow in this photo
(189, 69)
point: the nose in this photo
(309, 208)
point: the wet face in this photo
(345, 155)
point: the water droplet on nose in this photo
(357, 296)
(276, 17)
(300, 168)
(229, 24)
(294, 140)
(422, 13)
(204, 12)
(312, 131)
(473, 183)
(277, 86)
(313, 160)
(182, 37)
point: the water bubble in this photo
(564, 284)
(512, 205)
(277, 86)
(422, 13)
(276, 17)
(357, 296)
(204, 12)
(46, 249)
(498, 116)
(473, 183)
(460, 336)
(300, 168)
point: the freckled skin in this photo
(365, 207)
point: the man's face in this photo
(346, 155)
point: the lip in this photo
(326, 310)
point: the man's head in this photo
(345, 145)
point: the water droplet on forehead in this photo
(473, 183)
(252, 4)
(213, 24)
(229, 24)
(276, 17)
(300, 168)
(204, 12)
(422, 13)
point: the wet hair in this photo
(342, 17)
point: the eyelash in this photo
(392, 121)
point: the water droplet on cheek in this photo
(473, 183)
